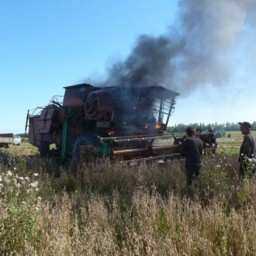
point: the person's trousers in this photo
(191, 172)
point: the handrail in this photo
(134, 138)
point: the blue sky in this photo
(45, 45)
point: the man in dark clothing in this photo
(198, 132)
(212, 141)
(248, 147)
(192, 149)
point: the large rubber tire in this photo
(85, 150)
(44, 149)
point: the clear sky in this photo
(45, 45)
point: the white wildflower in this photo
(36, 174)
(9, 173)
(27, 178)
(34, 184)
(6, 180)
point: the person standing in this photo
(192, 149)
(248, 147)
(212, 140)
(198, 132)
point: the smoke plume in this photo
(199, 50)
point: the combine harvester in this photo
(119, 123)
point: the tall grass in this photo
(119, 210)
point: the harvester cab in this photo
(115, 122)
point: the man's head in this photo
(198, 130)
(245, 127)
(210, 130)
(190, 132)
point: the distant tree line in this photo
(204, 127)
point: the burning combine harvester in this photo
(125, 123)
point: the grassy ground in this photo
(119, 210)
(230, 144)
(25, 149)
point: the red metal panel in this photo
(76, 95)
(34, 130)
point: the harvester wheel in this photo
(86, 150)
(44, 149)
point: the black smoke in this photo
(201, 52)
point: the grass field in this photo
(230, 144)
(25, 149)
(120, 210)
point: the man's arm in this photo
(201, 147)
(184, 148)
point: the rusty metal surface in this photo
(41, 126)
(76, 94)
(34, 130)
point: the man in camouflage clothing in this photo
(248, 147)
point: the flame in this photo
(111, 133)
(158, 125)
